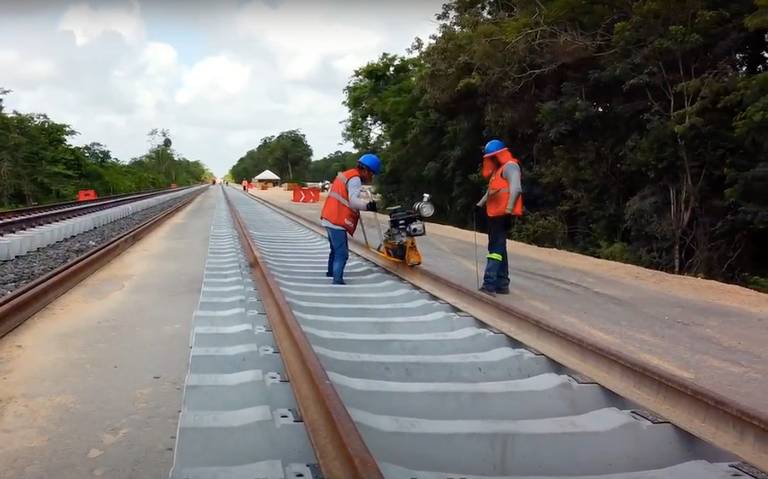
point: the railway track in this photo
(18, 306)
(421, 389)
(20, 219)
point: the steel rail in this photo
(24, 302)
(20, 219)
(702, 412)
(340, 450)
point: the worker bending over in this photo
(341, 211)
(503, 200)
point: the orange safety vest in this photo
(498, 188)
(336, 208)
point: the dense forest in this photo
(641, 126)
(39, 165)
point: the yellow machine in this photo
(398, 242)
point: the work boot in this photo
(502, 290)
(339, 282)
(487, 291)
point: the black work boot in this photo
(483, 289)
(502, 290)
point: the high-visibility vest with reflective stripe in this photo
(336, 208)
(498, 189)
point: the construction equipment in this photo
(398, 242)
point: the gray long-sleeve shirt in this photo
(354, 187)
(511, 173)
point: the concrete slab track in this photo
(92, 385)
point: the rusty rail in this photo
(32, 297)
(702, 412)
(338, 445)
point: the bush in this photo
(760, 283)
(540, 229)
(618, 251)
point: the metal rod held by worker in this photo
(474, 237)
(362, 228)
(381, 235)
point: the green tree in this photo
(38, 164)
(641, 126)
(326, 168)
(287, 154)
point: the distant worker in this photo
(503, 200)
(245, 185)
(341, 211)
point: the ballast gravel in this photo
(21, 270)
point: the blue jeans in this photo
(496, 276)
(337, 259)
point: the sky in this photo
(219, 75)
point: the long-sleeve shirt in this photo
(511, 173)
(354, 188)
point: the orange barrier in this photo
(306, 195)
(85, 195)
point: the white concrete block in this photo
(5, 250)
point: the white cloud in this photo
(302, 34)
(88, 23)
(214, 79)
(219, 76)
(26, 70)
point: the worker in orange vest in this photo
(341, 211)
(503, 200)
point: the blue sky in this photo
(219, 75)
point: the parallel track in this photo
(433, 392)
(21, 304)
(19, 219)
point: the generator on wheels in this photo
(398, 242)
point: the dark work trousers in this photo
(496, 276)
(337, 259)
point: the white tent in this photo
(266, 175)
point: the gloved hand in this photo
(371, 206)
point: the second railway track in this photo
(433, 392)
(22, 218)
(24, 301)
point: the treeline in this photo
(38, 164)
(288, 155)
(642, 126)
(326, 168)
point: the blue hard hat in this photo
(370, 161)
(493, 146)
